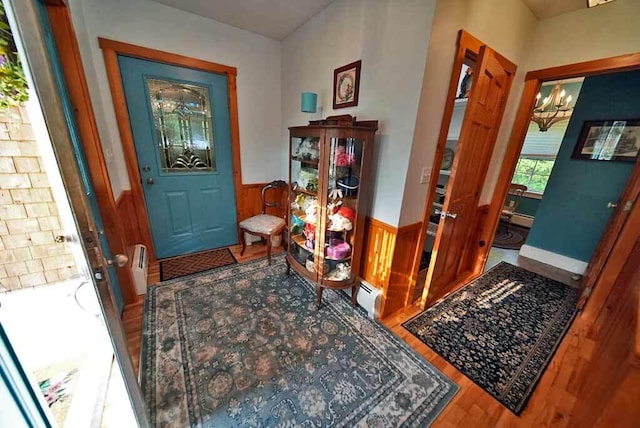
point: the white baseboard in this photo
(553, 259)
(522, 220)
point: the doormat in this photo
(194, 263)
(511, 239)
(500, 330)
(245, 345)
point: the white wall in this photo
(505, 25)
(391, 39)
(149, 24)
(587, 34)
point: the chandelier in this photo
(552, 109)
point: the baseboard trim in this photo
(522, 220)
(554, 259)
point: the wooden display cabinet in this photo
(329, 174)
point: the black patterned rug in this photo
(500, 330)
(244, 345)
(511, 237)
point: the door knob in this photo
(120, 260)
(611, 205)
(150, 180)
(444, 214)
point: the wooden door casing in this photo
(481, 123)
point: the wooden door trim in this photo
(533, 80)
(165, 57)
(110, 50)
(69, 55)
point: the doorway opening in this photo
(555, 105)
(447, 248)
(463, 90)
(56, 321)
(197, 142)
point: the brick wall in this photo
(29, 221)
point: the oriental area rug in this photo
(500, 330)
(244, 345)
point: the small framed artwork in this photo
(609, 140)
(346, 85)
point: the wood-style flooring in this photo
(556, 401)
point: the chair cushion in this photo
(262, 223)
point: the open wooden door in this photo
(454, 239)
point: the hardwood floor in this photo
(568, 394)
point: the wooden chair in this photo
(512, 201)
(263, 225)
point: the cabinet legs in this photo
(354, 294)
(318, 296)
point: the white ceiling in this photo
(544, 9)
(272, 18)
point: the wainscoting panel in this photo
(379, 243)
(249, 204)
(125, 208)
(388, 259)
(397, 292)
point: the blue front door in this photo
(182, 135)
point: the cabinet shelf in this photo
(300, 240)
(308, 162)
(306, 192)
(302, 216)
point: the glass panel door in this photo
(183, 127)
(345, 165)
(305, 163)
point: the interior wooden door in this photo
(480, 125)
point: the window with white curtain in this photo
(538, 155)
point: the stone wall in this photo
(29, 221)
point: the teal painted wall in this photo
(573, 211)
(528, 206)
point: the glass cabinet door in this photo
(305, 213)
(343, 185)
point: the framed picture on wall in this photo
(609, 140)
(346, 85)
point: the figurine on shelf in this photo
(310, 265)
(310, 234)
(335, 194)
(299, 202)
(311, 212)
(344, 158)
(308, 150)
(342, 272)
(342, 219)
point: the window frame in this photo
(529, 191)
